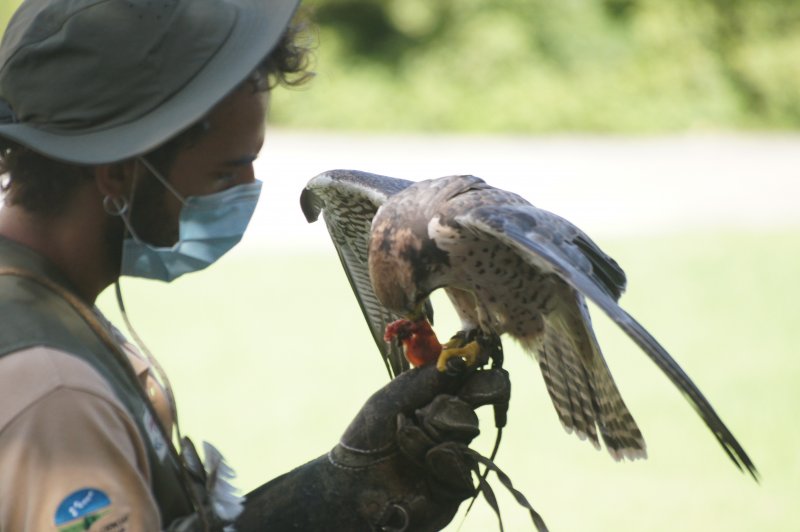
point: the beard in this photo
(149, 216)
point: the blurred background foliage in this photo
(540, 66)
(533, 66)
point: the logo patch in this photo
(80, 509)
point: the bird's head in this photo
(395, 268)
(405, 264)
(392, 276)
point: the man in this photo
(128, 129)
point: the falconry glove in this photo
(402, 464)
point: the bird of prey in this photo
(508, 268)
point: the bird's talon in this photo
(470, 353)
(458, 340)
(452, 343)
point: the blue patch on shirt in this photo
(80, 503)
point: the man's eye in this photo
(230, 176)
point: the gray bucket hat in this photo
(99, 81)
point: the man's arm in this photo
(73, 457)
(68, 450)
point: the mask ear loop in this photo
(120, 207)
(161, 179)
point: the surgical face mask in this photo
(209, 226)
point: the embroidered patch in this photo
(154, 434)
(80, 509)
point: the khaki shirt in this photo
(71, 457)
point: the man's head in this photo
(216, 158)
(39, 179)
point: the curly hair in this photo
(45, 186)
(288, 65)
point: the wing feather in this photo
(521, 227)
(348, 200)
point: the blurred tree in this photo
(540, 66)
(537, 65)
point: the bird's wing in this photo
(552, 244)
(349, 200)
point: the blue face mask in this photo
(209, 226)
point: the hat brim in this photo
(258, 26)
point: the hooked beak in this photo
(418, 314)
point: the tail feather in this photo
(679, 378)
(618, 429)
(569, 392)
(583, 392)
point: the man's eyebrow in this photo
(245, 160)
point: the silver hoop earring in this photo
(115, 206)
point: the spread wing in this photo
(553, 244)
(349, 200)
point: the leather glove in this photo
(402, 464)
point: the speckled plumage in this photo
(509, 268)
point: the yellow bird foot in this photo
(471, 353)
(455, 342)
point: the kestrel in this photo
(509, 268)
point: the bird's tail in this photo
(619, 430)
(582, 389)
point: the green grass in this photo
(6, 10)
(270, 359)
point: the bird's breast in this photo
(511, 296)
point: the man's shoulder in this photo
(28, 375)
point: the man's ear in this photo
(115, 180)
